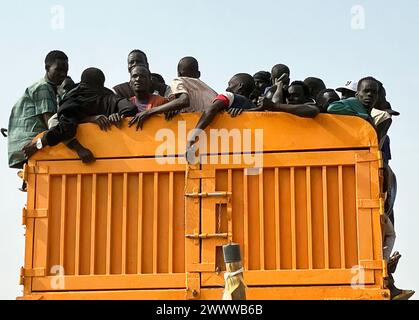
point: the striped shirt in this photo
(26, 119)
(201, 96)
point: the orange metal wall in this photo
(296, 218)
(104, 224)
(120, 224)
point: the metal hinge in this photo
(38, 169)
(372, 204)
(369, 203)
(372, 264)
(33, 213)
(29, 273)
(370, 157)
(32, 170)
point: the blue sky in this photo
(314, 38)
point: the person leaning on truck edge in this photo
(370, 93)
(297, 100)
(29, 116)
(91, 102)
(189, 93)
(143, 100)
(135, 58)
(325, 98)
(362, 104)
(235, 100)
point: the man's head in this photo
(188, 67)
(325, 98)
(158, 83)
(298, 93)
(56, 66)
(367, 92)
(262, 80)
(278, 70)
(140, 80)
(348, 90)
(315, 85)
(93, 78)
(137, 58)
(242, 84)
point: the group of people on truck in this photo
(55, 106)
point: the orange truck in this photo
(301, 196)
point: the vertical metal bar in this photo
(277, 224)
(261, 224)
(245, 221)
(364, 215)
(155, 221)
(140, 224)
(342, 220)
(30, 233)
(171, 212)
(376, 219)
(309, 225)
(78, 209)
(230, 213)
(124, 223)
(93, 225)
(325, 218)
(48, 235)
(108, 226)
(293, 228)
(62, 223)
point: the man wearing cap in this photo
(370, 103)
(348, 90)
(361, 105)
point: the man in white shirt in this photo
(189, 94)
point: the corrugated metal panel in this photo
(288, 227)
(296, 215)
(120, 224)
(126, 223)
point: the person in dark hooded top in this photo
(89, 101)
